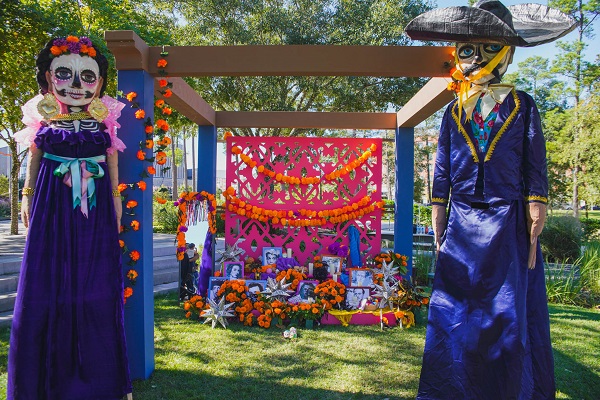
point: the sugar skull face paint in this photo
(74, 80)
(473, 57)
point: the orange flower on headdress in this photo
(55, 50)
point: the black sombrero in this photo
(489, 21)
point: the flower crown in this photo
(73, 45)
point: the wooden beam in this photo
(432, 97)
(188, 102)
(305, 60)
(130, 51)
(296, 119)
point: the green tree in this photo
(28, 25)
(275, 22)
(572, 66)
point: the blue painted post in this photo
(139, 309)
(207, 159)
(405, 169)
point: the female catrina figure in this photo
(488, 335)
(67, 339)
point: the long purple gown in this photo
(67, 339)
(488, 335)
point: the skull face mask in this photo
(75, 80)
(471, 58)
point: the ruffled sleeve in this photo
(32, 120)
(114, 112)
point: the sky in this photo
(548, 50)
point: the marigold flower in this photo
(168, 93)
(140, 114)
(188, 314)
(130, 96)
(162, 82)
(141, 185)
(151, 170)
(132, 274)
(141, 155)
(161, 158)
(55, 50)
(127, 292)
(135, 225)
(167, 111)
(149, 129)
(149, 143)
(131, 204)
(159, 103)
(161, 63)
(134, 255)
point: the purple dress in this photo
(67, 339)
(488, 335)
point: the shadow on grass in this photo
(574, 379)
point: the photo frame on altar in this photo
(271, 254)
(233, 270)
(255, 287)
(359, 277)
(213, 287)
(332, 263)
(355, 297)
(306, 290)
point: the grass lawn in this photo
(194, 361)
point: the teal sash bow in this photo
(82, 172)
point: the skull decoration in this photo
(74, 80)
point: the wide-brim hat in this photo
(490, 21)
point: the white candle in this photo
(289, 253)
(336, 277)
(331, 269)
(310, 268)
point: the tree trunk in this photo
(575, 193)
(14, 189)
(174, 169)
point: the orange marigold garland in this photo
(341, 171)
(300, 217)
(182, 205)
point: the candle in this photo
(336, 277)
(310, 268)
(289, 253)
(331, 269)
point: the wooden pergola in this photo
(137, 71)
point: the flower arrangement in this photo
(194, 306)
(410, 295)
(398, 260)
(307, 311)
(338, 249)
(291, 275)
(72, 45)
(331, 294)
(234, 291)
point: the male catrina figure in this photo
(488, 335)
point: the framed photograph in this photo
(271, 254)
(358, 277)
(234, 269)
(355, 296)
(213, 287)
(254, 288)
(306, 290)
(332, 263)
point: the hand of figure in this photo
(25, 210)
(536, 217)
(118, 211)
(438, 216)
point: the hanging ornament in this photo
(389, 271)
(231, 253)
(386, 293)
(217, 313)
(277, 290)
